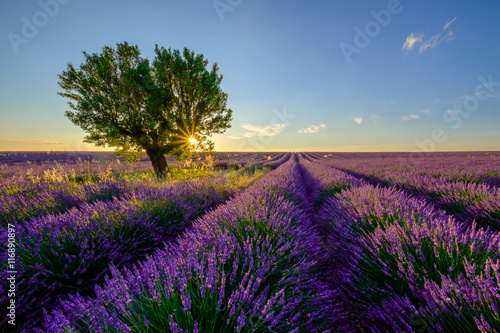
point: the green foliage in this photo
(252, 168)
(270, 166)
(125, 101)
(175, 173)
(130, 155)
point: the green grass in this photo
(175, 173)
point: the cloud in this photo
(425, 111)
(313, 129)
(436, 40)
(411, 41)
(445, 35)
(410, 117)
(447, 25)
(34, 142)
(452, 112)
(358, 120)
(270, 130)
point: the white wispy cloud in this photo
(270, 130)
(436, 40)
(411, 41)
(410, 117)
(425, 111)
(447, 25)
(443, 36)
(313, 128)
(452, 112)
(358, 120)
(33, 142)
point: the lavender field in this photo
(251, 242)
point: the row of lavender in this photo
(467, 201)
(270, 159)
(386, 261)
(402, 264)
(469, 167)
(71, 158)
(78, 165)
(250, 265)
(474, 167)
(67, 236)
(24, 199)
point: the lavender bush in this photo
(72, 251)
(369, 245)
(28, 200)
(468, 200)
(250, 265)
(407, 266)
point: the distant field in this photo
(81, 164)
(241, 242)
(69, 157)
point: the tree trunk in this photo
(160, 166)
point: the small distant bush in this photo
(256, 167)
(270, 166)
(249, 168)
(221, 166)
(77, 179)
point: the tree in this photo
(170, 106)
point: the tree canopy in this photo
(169, 106)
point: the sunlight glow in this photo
(193, 141)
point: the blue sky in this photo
(300, 76)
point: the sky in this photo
(300, 76)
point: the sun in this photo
(192, 141)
